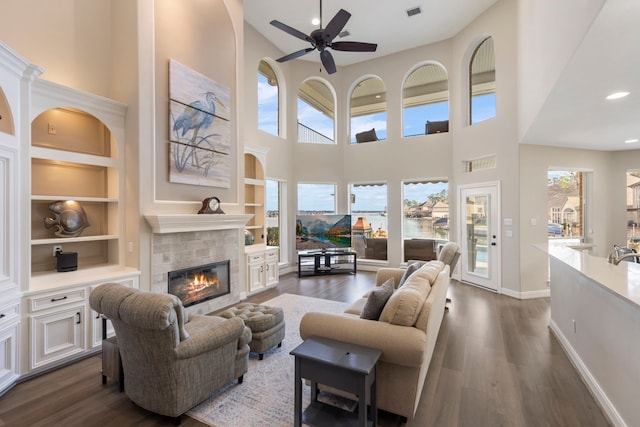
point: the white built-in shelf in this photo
(253, 204)
(69, 156)
(77, 199)
(82, 277)
(60, 240)
(253, 227)
(253, 181)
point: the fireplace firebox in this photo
(194, 285)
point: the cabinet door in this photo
(56, 334)
(8, 355)
(272, 275)
(256, 272)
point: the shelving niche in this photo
(76, 154)
(254, 196)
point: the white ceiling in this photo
(574, 115)
(382, 22)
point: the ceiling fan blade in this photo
(292, 31)
(295, 55)
(328, 62)
(354, 46)
(336, 25)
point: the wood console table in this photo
(316, 263)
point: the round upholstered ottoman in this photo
(266, 324)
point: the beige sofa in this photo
(406, 350)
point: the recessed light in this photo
(617, 95)
(631, 141)
(315, 21)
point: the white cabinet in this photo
(262, 268)
(56, 326)
(9, 326)
(272, 274)
(61, 322)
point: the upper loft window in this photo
(425, 101)
(368, 111)
(316, 112)
(268, 99)
(482, 83)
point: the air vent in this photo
(345, 33)
(414, 11)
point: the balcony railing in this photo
(310, 136)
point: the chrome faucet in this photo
(615, 259)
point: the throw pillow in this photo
(411, 268)
(376, 300)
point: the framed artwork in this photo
(199, 129)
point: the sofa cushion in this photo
(404, 306)
(377, 299)
(411, 268)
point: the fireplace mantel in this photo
(180, 223)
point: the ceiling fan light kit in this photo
(322, 38)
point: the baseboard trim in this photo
(543, 293)
(594, 388)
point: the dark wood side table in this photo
(345, 366)
(111, 362)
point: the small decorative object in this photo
(249, 238)
(210, 205)
(67, 217)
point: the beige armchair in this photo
(171, 363)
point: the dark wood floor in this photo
(495, 364)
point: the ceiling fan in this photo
(322, 38)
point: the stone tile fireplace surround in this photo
(182, 241)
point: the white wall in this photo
(549, 33)
(70, 39)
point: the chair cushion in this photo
(411, 268)
(377, 299)
(366, 136)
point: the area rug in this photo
(266, 396)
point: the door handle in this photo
(493, 244)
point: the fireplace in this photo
(194, 285)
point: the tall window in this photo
(368, 111)
(268, 99)
(316, 106)
(565, 205)
(482, 83)
(369, 220)
(426, 209)
(316, 198)
(425, 101)
(272, 197)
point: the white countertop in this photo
(622, 280)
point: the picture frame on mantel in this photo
(199, 129)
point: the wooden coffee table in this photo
(345, 366)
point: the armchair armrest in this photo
(400, 345)
(207, 334)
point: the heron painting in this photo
(199, 129)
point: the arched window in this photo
(368, 111)
(268, 99)
(316, 111)
(425, 101)
(482, 83)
